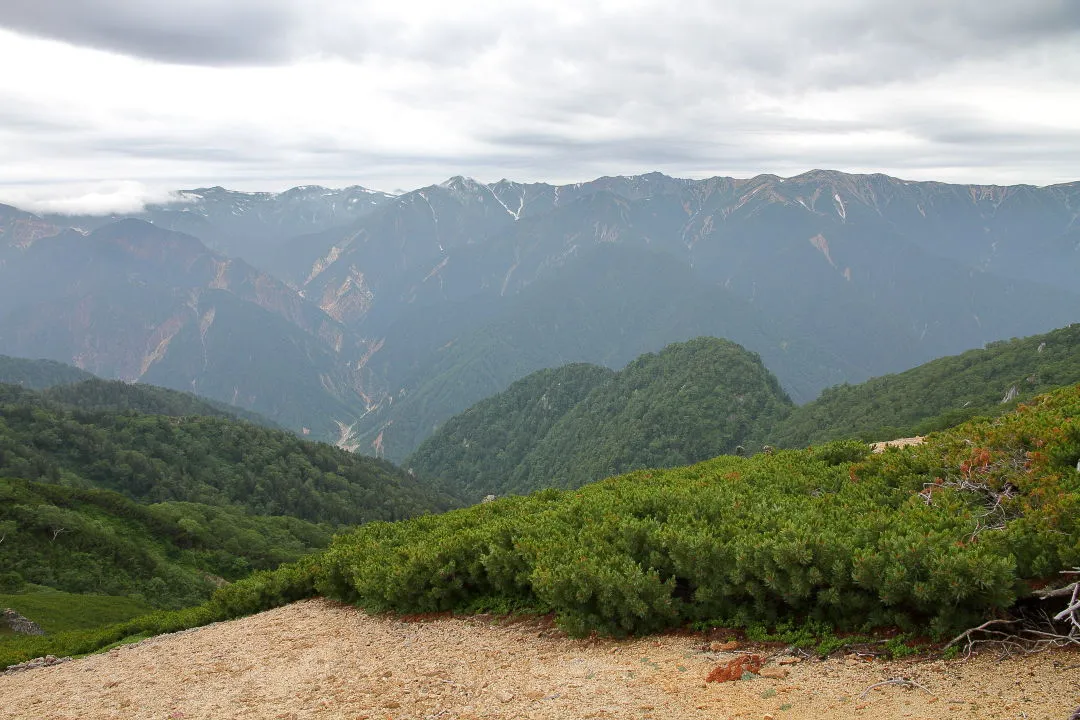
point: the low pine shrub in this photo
(937, 535)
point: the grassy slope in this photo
(57, 611)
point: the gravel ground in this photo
(318, 659)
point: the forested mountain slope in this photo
(479, 449)
(116, 396)
(39, 374)
(687, 403)
(83, 540)
(210, 460)
(938, 394)
(513, 443)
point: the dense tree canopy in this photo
(38, 374)
(939, 394)
(97, 541)
(687, 403)
(210, 460)
(481, 448)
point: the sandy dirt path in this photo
(319, 659)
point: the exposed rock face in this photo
(21, 624)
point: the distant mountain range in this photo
(370, 319)
(249, 225)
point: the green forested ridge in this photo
(118, 396)
(689, 402)
(215, 461)
(96, 541)
(938, 394)
(80, 463)
(38, 374)
(71, 386)
(480, 448)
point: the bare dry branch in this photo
(966, 635)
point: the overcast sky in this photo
(107, 103)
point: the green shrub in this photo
(834, 535)
(11, 582)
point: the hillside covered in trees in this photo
(121, 397)
(38, 374)
(564, 428)
(707, 397)
(169, 554)
(480, 449)
(195, 458)
(119, 489)
(938, 394)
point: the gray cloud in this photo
(264, 93)
(200, 32)
(833, 41)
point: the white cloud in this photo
(96, 199)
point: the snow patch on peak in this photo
(516, 214)
(459, 182)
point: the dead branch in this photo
(1072, 612)
(1032, 633)
(1056, 593)
(966, 635)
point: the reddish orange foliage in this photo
(734, 670)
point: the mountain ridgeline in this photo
(567, 427)
(369, 320)
(117, 396)
(39, 374)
